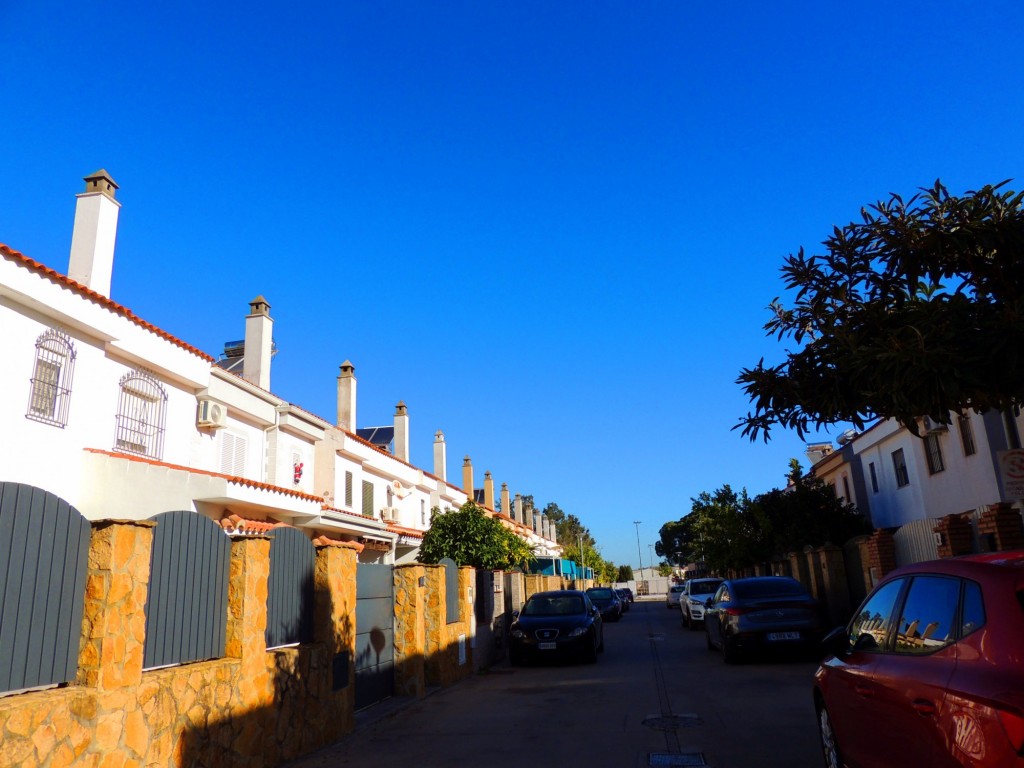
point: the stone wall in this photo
(253, 707)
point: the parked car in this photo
(691, 601)
(675, 591)
(931, 667)
(761, 613)
(561, 623)
(629, 593)
(607, 602)
(624, 599)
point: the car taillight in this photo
(734, 611)
(1013, 725)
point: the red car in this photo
(930, 670)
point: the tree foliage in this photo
(469, 537)
(624, 573)
(916, 310)
(729, 531)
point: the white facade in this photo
(886, 471)
(124, 421)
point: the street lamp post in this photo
(639, 556)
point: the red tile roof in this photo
(97, 298)
(230, 478)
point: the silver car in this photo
(673, 594)
(691, 602)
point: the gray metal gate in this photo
(375, 633)
(44, 548)
(290, 588)
(915, 542)
(187, 605)
(451, 596)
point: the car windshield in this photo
(600, 594)
(704, 587)
(553, 605)
(679, 588)
(751, 590)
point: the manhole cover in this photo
(671, 722)
(667, 758)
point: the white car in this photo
(673, 595)
(691, 602)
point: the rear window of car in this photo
(747, 590)
(599, 593)
(704, 587)
(678, 588)
(556, 605)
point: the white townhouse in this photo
(897, 478)
(123, 420)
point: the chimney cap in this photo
(100, 182)
(347, 367)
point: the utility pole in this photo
(639, 554)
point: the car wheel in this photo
(828, 740)
(590, 654)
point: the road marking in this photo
(675, 759)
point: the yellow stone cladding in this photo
(254, 708)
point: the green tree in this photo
(678, 541)
(624, 573)
(469, 537)
(916, 310)
(726, 527)
(807, 513)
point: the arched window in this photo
(50, 393)
(141, 414)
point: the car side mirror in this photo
(515, 614)
(709, 602)
(836, 642)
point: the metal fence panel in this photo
(290, 588)
(186, 609)
(375, 621)
(915, 542)
(44, 548)
(451, 598)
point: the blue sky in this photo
(552, 229)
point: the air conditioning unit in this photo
(211, 414)
(931, 427)
(389, 514)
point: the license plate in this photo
(547, 646)
(783, 635)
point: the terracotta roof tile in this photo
(96, 298)
(230, 478)
(327, 541)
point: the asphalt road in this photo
(656, 697)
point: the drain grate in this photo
(674, 759)
(671, 722)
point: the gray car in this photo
(762, 613)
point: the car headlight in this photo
(578, 631)
(517, 633)
(696, 603)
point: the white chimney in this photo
(259, 343)
(401, 431)
(488, 490)
(506, 504)
(347, 397)
(467, 478)
(517, 509)
(92, 241)
(440, 456)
